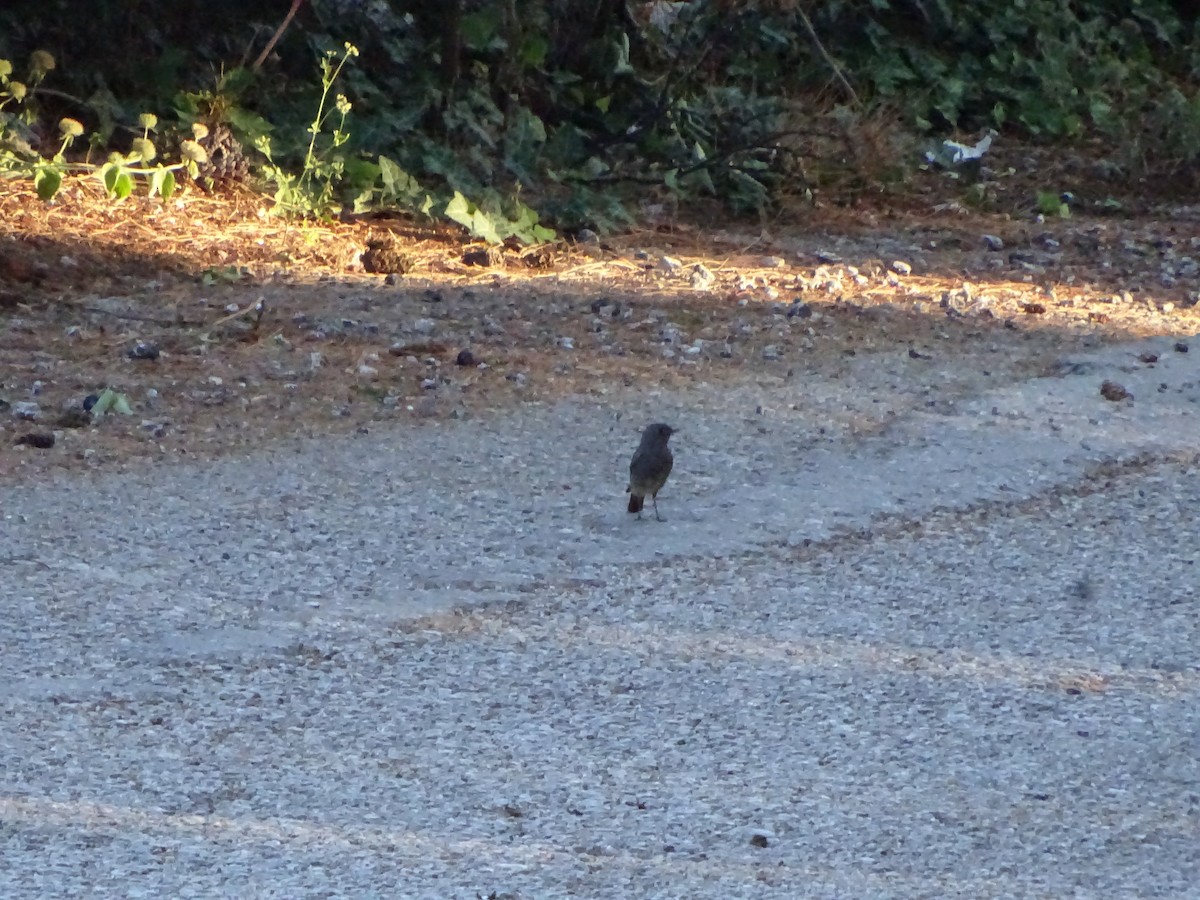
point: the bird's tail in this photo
(635, 502)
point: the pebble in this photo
(143, 350)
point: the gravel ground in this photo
(886, 644)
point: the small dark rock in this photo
(759, 840)
(1181, 347)
(1033, 309)
(799, 310)
(465, 358)
(89, 401)
(143, 350)
(483, 256)
(915, 354)
(42, 440)
(1110, 390)
(1148, 358)
(606, 308)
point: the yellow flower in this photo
(17, 90)
(148, 120)
(41, 62)
(199, 130)
(70, 128)
(5, 68)
(193, 151)
(144, 147)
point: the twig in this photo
(837, 71)
(258, 306)
(287, 20)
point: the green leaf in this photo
(622, 65)
(111, 400)
(47, 181)
(124, 185)
(533, 50)
(480, 29)
(467, 214)
(250, 124)
(397, 183)
(158, 182)
(117, 181)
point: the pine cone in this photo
(226, 159)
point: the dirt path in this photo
(321, 618)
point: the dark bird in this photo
(649, 468)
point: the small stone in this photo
(772, 262)
(828, 257)
(900, 267)
(670, 265)
(424, 326)
(26, 409)
(770, 352)
(143, 350)
(799, 310)
(587, 236)
(701, 277)
(1181, 347)
(567, 343)
(1110, 390)
(994, 243)
(1168, 306)
(1033, 309)
(760, 838)
(465, 358)
(483, 256)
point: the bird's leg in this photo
(656, 515)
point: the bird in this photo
(649, 468)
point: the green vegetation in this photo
(502, 116)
